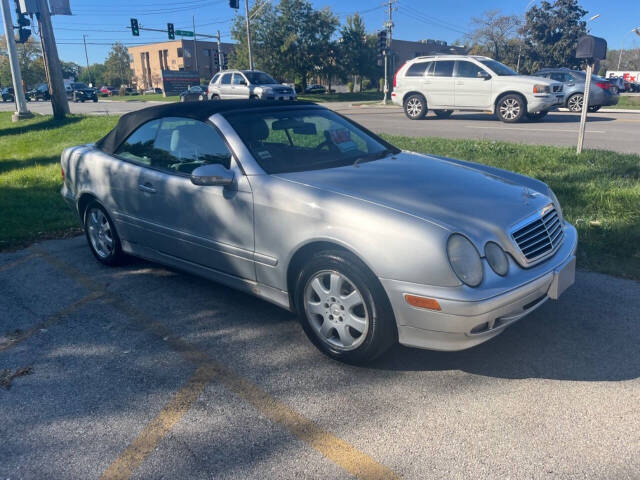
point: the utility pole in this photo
(195, 44)
(18, 93)
(52, 66)
(86, 56)
(388, 25)
(219, 52)
(246, 11)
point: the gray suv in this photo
(248, 84)
(603, 92)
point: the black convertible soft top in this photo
(129, 122)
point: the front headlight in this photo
(465, 260)
(556, 204)
(496, 258)
(541, 89)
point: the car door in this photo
(472, 90)
(225, 86)
(210, 226)
(440, 84)
(239, 86)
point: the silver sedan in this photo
(369, 244)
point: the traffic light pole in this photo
(52, 66)
(16, 76)
(220, 61)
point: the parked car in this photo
(8, 95)
(131, 91)
(41, 92)
(107, 91)
(369, 244)
(251, 84)
(602, 91)
(151, 91)
(193, 94)
(315, 88)
(444, 83)
(80, 92)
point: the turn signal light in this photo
(422, 302)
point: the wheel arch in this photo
(509, 92)
(414, 92)
(84, 200)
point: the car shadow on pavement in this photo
(556, 117)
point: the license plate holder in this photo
(563, 278)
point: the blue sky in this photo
(105, 22)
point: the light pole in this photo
(635, 30)
(591, 19)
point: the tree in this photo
(31, 64)
(289, 40)
(70, 69)
(95, 74)
(494, 34)
(118, 66)
(551, 34)
(353, 48)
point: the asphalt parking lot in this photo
(143, 372)
(609, 130)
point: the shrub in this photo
(350, 86)
(366, 84)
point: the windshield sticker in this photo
(264, 154)
(341, 137)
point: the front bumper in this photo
(540, 103)
(469, 316)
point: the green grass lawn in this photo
(155, 97)
(627, 102)
(342, 97)
(599, 191)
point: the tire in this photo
(511, 108)
(594, 108)
(415, 107)
(534, 117)
(215, 97)
(355, 333)
(95, 100)
(101, 234)
(574, 102)
(443, 113)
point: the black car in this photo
(195, 93)
(315, 89)
(41, 92)
(80, 92)
(7, 94)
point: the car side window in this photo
(443, 68)
(215, 78)
(468, 69)
(238, 79)
(184, 144)
(226, 79)
(138, 147)
(418, 69)
(558, 77)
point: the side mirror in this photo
(212, 175)
(484, 75)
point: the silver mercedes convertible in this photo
(302, 207)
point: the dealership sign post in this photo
(176, 81)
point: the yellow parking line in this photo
(345, 455)
(15, 263)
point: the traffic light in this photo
(234, 4)
(135, 31)
(23, 22)
(170, 31)
(382, 41)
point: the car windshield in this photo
(498, 68)
(299, 140)
(79, 85)
(259, 78)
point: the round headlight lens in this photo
(465, 260)
(496, 258)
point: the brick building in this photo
(148, 61)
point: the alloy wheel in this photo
(100, 234)
(510, 109)
(336, 310)
(575, 103)
(414, 107)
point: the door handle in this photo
(146, 187)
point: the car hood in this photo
(453, 196)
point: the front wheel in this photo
(574, 103)
(511, 108)
(101, 235)
(415, 107)
(343, 308)
(534, 117)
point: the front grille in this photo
(282, 90)
(539, 237)
(557, 88)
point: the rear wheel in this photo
(215, 97)
(574, 102)
(343, 309)
(415, 106)
(443, 113)
(511, 108)
(537, 116)
(101, 235)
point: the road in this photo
(143, 372)
(606, 131)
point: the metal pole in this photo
(219, 53)
(386, 77)
(86, 56)
(585, 107)
(195, 45)
(59, 102)
(246, 12)
(18, 92)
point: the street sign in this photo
(184, 33)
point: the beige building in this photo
(148, 61)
